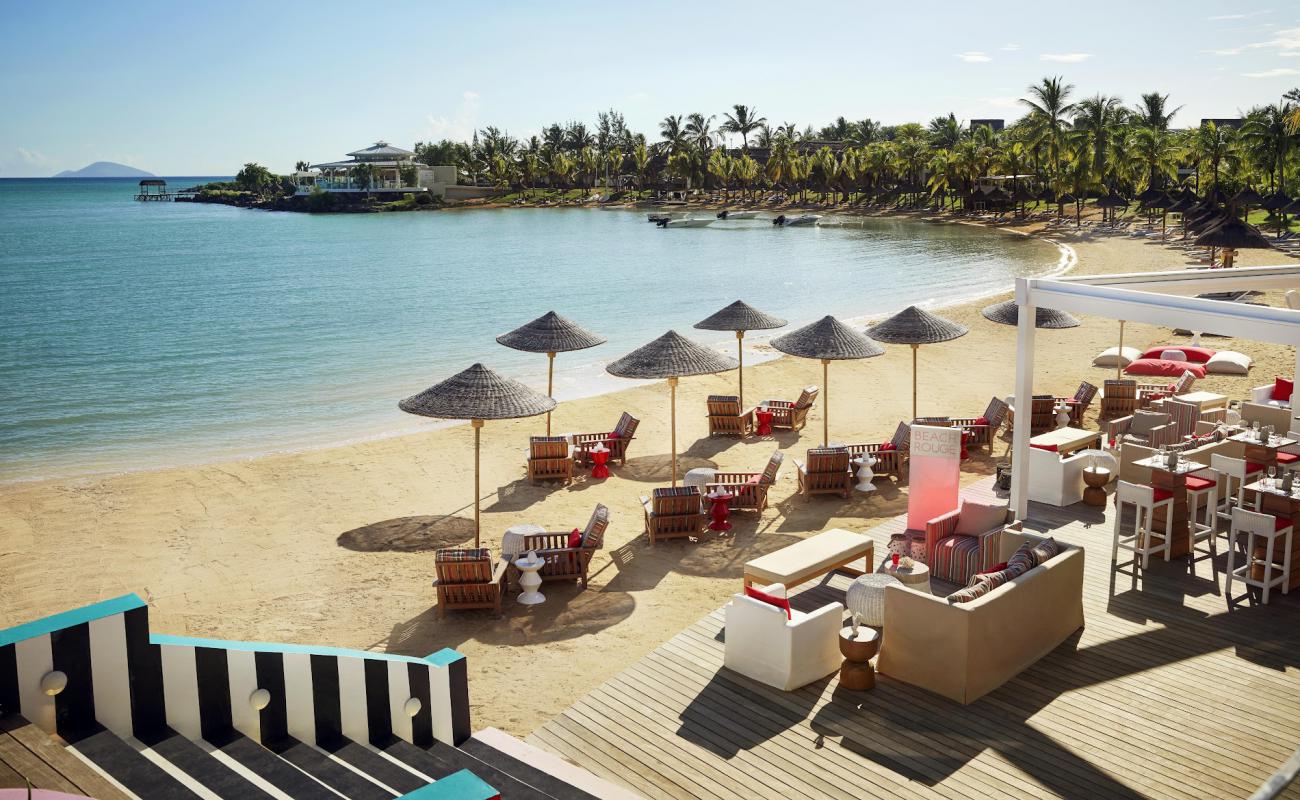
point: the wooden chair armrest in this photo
(733, 477)
(546, 541)
(499, 571)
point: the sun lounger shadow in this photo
(658, 468)
(417, 534)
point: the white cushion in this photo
(1112, 357)
(1228, 362)
(1173, 355)
(976, 518)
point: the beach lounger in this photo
(616, 440)
(550, 458)
(793, 416)
(891, 456)
(1079, 403)
(826, 471)
(674, 513)
(468, 579)
(984, 428)
(1119, 398)
(748, 489)
(726, 417)
(567, 554)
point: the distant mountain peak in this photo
(105, 169)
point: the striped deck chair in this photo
(674, 513)
(984, 428)
(891, 456)
(825, 472)
(550, 458)
(726, 417)
(749, 489)
(616, 440)
(793, 416)
(568, 555)
(1078, 404)
(1151, 393)
(1118, 398)
(467, 578)
(955, 557)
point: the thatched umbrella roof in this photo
(1292, 207)
(1149, 195)
(1275, 201)
(550, 333)
(1216, 196)
(1112, 200)
(740, 316)
(1160, 200)
(915, 325)
(1182, 205)
(1022, 195)
(1066, 197)
(1232, 233)
(1008, 313)
(670, 356)
(828, 340)
(1247, 197)
(478, 393)
(1047, 195)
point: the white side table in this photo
(699, 476)
(865, 473)
(529, 580)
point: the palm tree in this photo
(1048, 106)
(1216, 145)
(1098, 119)
(788, 130)
(865, 132)
(670, 130)
(743, 121)
(765, 136)
(698, 129)
(641, 163)
(577, 137)
(559, 167)
(1153, 111)
(613, 165)
(779, 162)
(301, 166)
(746, 172)
(719, 167)
(1158, 151)
(945, 132)
(1267, 136)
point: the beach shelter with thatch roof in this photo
(740, 317)
(1274, 201)
(477, 394)
(827, 340)
(550, 334)
(916, 326)
(670, 357)
(1231, 234)
(1008, 313)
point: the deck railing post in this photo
(1024, 398)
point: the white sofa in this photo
(1264, 396)
(786, 653)
(1054, 480)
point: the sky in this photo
(199, 88)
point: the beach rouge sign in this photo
(934, 474)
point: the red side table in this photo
(721, 508)
(599, 455)
(764, 418)
(965, 440)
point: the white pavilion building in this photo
(388, 165)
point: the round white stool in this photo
(529, 580)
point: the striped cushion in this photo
(461, 554)
(956, 558)
(626, 426)
(902, 436)
(970, 593)
(769, 474)
(676, 491)
(1045, 550)
(1022, 559)
(723, 398)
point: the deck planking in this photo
(1167, 692)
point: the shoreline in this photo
(585, 375)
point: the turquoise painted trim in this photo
(67, 619)
(462, 785)
(438, 659)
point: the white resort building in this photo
(378, 168)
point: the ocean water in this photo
(136, 335)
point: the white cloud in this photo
(1286, 39)
(462, 125)
(1000, 102)
(974, 57)
(1272, 73)
(1225, 51)
(1223, 17)
(1010, 48)
(1066, 58)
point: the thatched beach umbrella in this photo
(1148, 196)
(550, 334)
(1275, 201)
(916, 327)
(477, 394)
(671, 356)
(1231, 234)
(740, 317)
(1110, 202)
(1008, 313)
(1247, 197)
(828, 340)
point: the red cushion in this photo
(1287, 458)
(1160, 495)
(981, 420)
(1281, 522)
(1051, 448)
(754, 479)
(887, 446)
(1197, 355)
(1195, 484)
(772, 600)
(1165, 369)
(1282, 389)
(575, 538)
(614, 435)
(1251, 466)
(993, 569)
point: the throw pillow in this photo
(780, 602)
(1045, 550)
(976, 518)
(969, 593)
(887, 446)
(981, 420)
(1023, 558)
(989, 571)
(575, 538)
(1282, 389)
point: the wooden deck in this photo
(1165, 693)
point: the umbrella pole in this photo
(672, 390)
(826, 406)
(740, 357)
(1119, 357)
(550, 386)
(477, 425)
(915, 347)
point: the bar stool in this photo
(1233, 469)
(1268, 528)
(1143, 499)
(1203, 484)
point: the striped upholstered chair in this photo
(956, 557)
(674, 513)
(616, 440)
(727, 418)
(748, 489)
(468, 578)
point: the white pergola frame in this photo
(1158, 298)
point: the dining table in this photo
(1174, 479)
(1262, 451)
(1273, 500)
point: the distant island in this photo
(105, 169)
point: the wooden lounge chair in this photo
(616, 440)
(674, 513)
(891, 456)
(550, 458)
(1148, 393)
(1079, 403)
(1143, 428)
(567, 555)
(792, 416)
(1118, 398)
(726, 417)
(1042, 415)
(825, 472)
(984, 428)
(749, 489)
(468, 578)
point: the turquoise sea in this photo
(138, 335)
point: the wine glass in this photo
(1272, 476)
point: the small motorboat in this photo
(659, 216)
(729, 214)
(802, 219)
(685, 222)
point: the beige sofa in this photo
(966, 650)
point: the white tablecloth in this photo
(512, 541)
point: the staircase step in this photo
(380, 768)
(329, 772)
(200, 765)
(130, 767)
(273, 769)
(454, 759)
(526, 773)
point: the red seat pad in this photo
(1251, 466)
(1160, 495)
(1281, 522)
(1195, 484)
(1163, 368)
(1287, 458)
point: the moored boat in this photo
(802, 219)
(729, 214)
(685, 222)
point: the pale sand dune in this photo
(335, 546)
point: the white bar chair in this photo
(1235, 472)
(1145, 500)
(1268, 528)
(1204, 517)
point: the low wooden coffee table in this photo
(858, 648)
(1095, 478)
(811, 558)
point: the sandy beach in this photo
(336, 546)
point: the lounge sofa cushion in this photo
(1146, 421)
(976, 518)
(1113, 357)
(969, 593)
(1282, 389)
(1162, 368)
(956, 556)
(1198, 355)
(1228, 362)
(773, 595)
(1045, 549)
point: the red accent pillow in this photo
(1282, 389)
(993, 569)
(575, 538)
(1164, 369)
(772, 600)
(1196, 355)
(753, 481)
(887, 446)
(981, 420)
(614, 435)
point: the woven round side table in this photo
(865, 597)
(915, 577)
